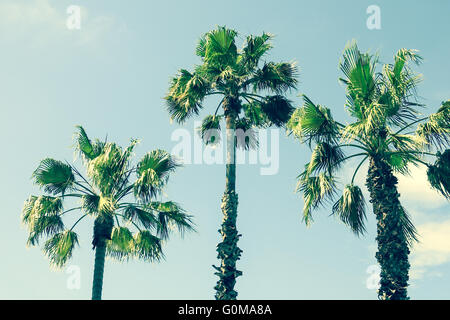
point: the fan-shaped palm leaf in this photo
(153, 173)
(54, 176)
(313, 123)
(351, 209)
(147, 246)
(439, 173)
(121, 245)
(59, 247)
(171, 215)
(210, 129)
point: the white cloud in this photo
(416, 192)
(38, 23)
(432, 250)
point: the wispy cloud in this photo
(39, 23)
(416, 191)
(432, 250)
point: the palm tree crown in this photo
(236, 76)
(129, 222)
(385, 108)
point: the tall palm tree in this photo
(251, 96)
(129, 222)
(384, 107)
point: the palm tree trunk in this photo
(99, 267)
(393, 247)
(103, 225)
(228, 251)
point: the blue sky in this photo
(110, 76)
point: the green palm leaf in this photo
(59, 248)
(219, 47)
(147, 246)
(153, 173)
(254, 49)
(142, 215)
(351, 209)
(325, 157)
(313, 123)
(36, 207)
(439, 173)
(209, 130)
(277, 109)
(316, 191)
(121, 245)
(54, 176)
(275, 77)
(171, 216)
(436, 131)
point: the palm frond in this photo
(44, 225)
(218, 47)
(147, 247)
(404, 142)
(107, 170)
(54, 176)
(402, 57)
(90, 203)
(316, 191)
(439, 173)
(171, 216)
(407, 230)
(83, 144)
(354, 131)
(143, 215)
(275, 77)
(153, 173)
(399, 161)
(313, 123)
(374, 117)
(209, 130)
(436, 131)
(277, 109)
(121, 245)
(36, 207)
(351, 209)
(59, 248)
(186, 94)
(254, 49)
(399, 94)
(359, 69)
(254, 113)
(325, 157)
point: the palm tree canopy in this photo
(236, 75)
(385, 110)
(114, 192)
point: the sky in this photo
(111, 76)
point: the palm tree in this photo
(251, 96)
(108, 195)
(384, 107)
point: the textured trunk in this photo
(102, 232)
(393, 247)
(99, 267)
(228, 251)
